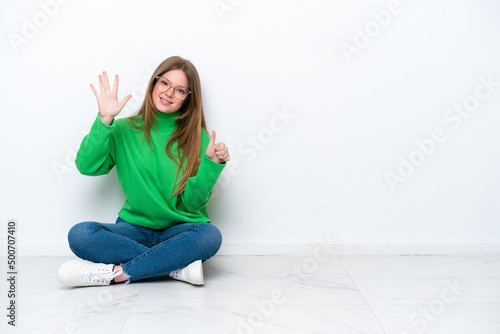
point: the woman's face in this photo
(167, 102)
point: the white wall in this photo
(319, 171)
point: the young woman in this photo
(167, 165)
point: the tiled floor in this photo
(272, 294)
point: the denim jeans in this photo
(143, 252)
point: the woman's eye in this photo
(164, 83)
(182, 91)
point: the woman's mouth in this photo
(165, 102)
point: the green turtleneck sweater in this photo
(147, 175)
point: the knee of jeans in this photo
(78, 235)
(214, 236)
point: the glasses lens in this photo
(180, 93)
(163, 85)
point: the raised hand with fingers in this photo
(107, 100)
(217, 152)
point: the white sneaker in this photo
(86, 273)
(193, 273)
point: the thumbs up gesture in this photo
(217, 152)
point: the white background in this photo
(321, 173)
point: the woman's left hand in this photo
(217, 152)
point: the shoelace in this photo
(101, 275)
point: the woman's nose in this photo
(170, 92)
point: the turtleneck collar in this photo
(166, 119)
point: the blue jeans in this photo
(143, 252)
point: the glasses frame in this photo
(174, 88)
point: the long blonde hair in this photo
(189, 122)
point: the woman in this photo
(167, 165)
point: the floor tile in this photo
(390, 266)
(439, 318)
(423, 290)
(231, 289)
(87, 318)
(277, 266)
(260, 318)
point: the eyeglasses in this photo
(164, 85)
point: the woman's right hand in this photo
(107, 101)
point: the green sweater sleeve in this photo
(96, 153)
(198, 188)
